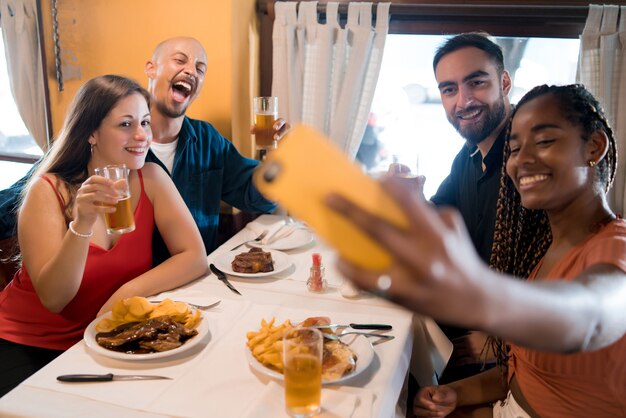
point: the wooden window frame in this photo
(499, 18)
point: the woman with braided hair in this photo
(565, 325)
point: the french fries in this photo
(138, 309)
(266, 344)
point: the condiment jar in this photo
(316, 281)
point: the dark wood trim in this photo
(44, 66)
(266, 25)
(19, 158)
(9, 263)
(504, 19)
(231, 223)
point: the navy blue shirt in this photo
(207, 168)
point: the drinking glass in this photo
(403, 170)
(122, 220)
(265, 114)
(302, 356)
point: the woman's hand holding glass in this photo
(97, 195)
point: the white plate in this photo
(90, 340)
(281, 263)
(298, 238)
(360, 345)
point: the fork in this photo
(193, 305)
(337, 337)
(257, 239)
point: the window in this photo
(18, 150)
(408, 123)
(409, 103)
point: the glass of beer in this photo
(122, 220)
(265, 114)
(403, 172)
(302, 357)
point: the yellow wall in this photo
(118, 36)
(245, 60)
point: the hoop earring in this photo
(591, 163)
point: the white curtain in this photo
(602, 69)
(325, 75)
(18, 19)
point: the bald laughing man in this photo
(204, 166)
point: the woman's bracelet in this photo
(78, 234)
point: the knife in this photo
(109, 377)
(356, 326)
(220, 275)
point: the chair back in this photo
(8, 264)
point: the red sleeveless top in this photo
(24, 320)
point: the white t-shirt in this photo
(165, 152)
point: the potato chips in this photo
(137, 309)
(266, 345)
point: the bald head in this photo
(175, 75)
(168, 43)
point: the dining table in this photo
(217, 377)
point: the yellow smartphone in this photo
(303, 170)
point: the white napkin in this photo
(283, 232)
(431, 351)
(271, 225)
(336, 403)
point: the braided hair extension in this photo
(522, 236)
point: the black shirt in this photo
(474, 192)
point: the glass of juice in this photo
(122, 220)
(265, 114)
(302, 357)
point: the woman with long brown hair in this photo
(72, 268)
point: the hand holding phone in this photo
(299, 175)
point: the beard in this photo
(476, 133)
(169, 112)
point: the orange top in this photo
(589, 384)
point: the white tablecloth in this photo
(214, 379)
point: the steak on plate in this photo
(254, 261)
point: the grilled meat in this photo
(254, 261)
(153, 335)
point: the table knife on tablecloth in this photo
(220, 275)
(355, 326)
(109, 377)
